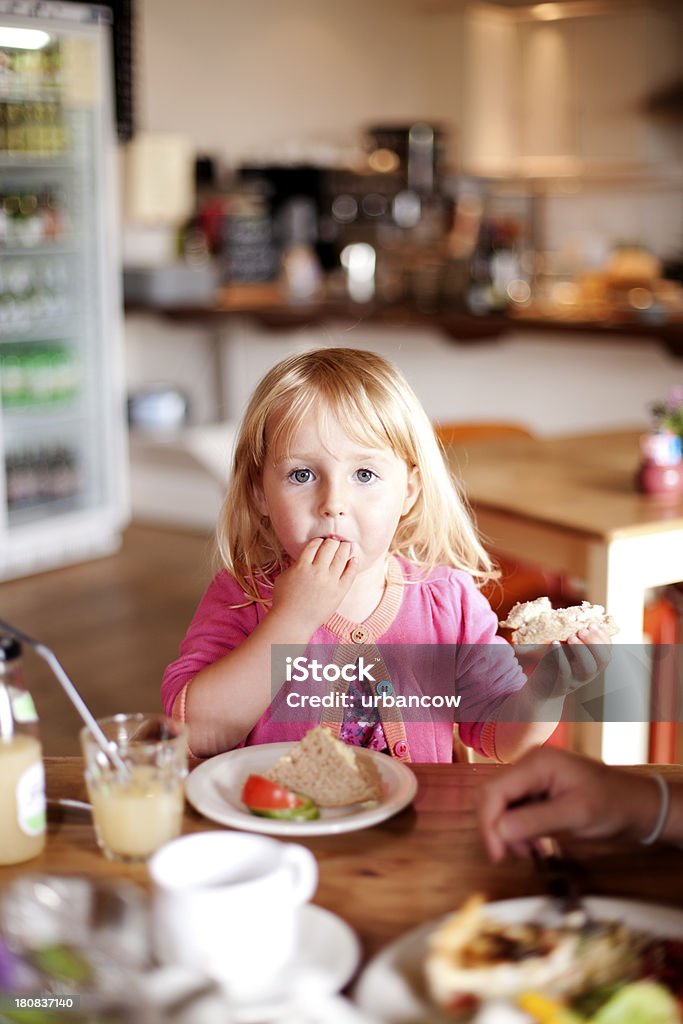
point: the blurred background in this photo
(501, 173)
(489, 194)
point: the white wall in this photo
(243, 78)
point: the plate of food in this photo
(513, 962)
(318, 786)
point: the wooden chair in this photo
(660, 625)
(518, 582)
(473, 430)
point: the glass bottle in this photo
(22, 776)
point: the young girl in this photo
(342, 527)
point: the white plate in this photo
(214, 789)
(391, 987)
(328, 955)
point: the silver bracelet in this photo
(665, 802)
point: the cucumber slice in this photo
(306, 811)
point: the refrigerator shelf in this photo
(47, 417)
(43, 510)
(63, 453)
(11, 161)
(38, 330)
(30, 96)
(39, 251)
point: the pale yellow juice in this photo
(22, 799)
(133, 818)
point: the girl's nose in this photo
(333, 503)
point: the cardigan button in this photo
(360, 635)
(400, 748)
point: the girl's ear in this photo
(413, 488)
(259, 498)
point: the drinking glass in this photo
(136, 811)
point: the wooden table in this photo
(388, 879)
(570, 505)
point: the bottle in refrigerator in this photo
(22, 776)
(63, 455)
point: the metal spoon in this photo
(74, 696)
(62, 801)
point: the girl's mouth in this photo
(335, 536)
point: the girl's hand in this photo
(563, 668)
(314, 586)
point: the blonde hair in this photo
(375, 406)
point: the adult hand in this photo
(314, 586)
(549, 791)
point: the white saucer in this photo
(328, 955)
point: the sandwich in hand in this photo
(537, 622)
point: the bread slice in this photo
(328, 771)
(537, 622)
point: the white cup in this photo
(227, 903)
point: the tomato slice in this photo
(271, 800)
(264, 795)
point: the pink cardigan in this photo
(443, 608)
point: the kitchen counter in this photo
(264, 304)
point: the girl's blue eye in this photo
(301, 476)
(365, 475)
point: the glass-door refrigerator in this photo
(63, 485)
